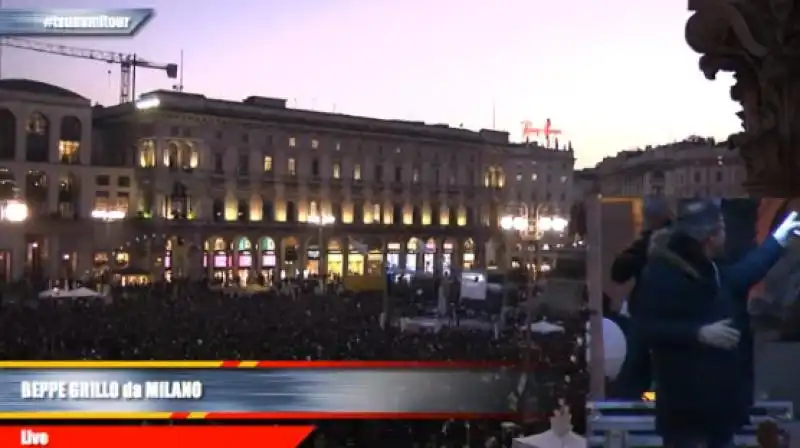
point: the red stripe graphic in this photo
(230, 364)
(357, 416)
(155, 436)
(380, 365)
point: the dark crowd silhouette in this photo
(188, 321)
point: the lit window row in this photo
(183, 156)
(259, 209)
(494, 177)
(314, 144)
(535, 177)
(291, 167)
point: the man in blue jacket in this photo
(688, 317)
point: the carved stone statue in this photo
(759, 41)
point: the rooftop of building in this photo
(275, 110)
(38, 88)
(691, 147)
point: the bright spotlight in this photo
(507, 222)
(148, 103)
(16, 211)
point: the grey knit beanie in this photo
(699, 218)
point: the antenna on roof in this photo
(179, 86)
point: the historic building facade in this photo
(239, 189)
(689, 168)
(46, 162)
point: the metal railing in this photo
(632, 424)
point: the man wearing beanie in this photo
(690, 322)
(635, 377)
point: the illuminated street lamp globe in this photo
(552, 224)
(517, 223)
(15, 211)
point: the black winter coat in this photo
(699, 388)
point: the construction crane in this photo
(127, 62)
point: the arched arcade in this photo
(268, 259)
(217, 259)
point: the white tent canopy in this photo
(549, 439)
(545, 327)
(57, 293)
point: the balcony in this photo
(291, 180)
(357, 187)
(336, 182)
(268, 178)
(243, 183)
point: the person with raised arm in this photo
(688, 317)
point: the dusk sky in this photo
(611, 75)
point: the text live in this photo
(137, 436)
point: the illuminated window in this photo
(415, 175)
(121, 258)
(534, 176)
(337, 171)
(314, 144)
(123, 202)
(564, 179)
(494, 177)
(102, 201)
(292, 167)
(357, 172)
(194, 158)
(292, 142)
(267, 164)
(519, 177)
(313, 210)
(338, 146)
(100, 258)
(68, 151)
(147, 154)
(376, 212)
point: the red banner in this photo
(153, 436)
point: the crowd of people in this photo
(190, 321)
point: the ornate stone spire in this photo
(759, 41)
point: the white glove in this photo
(789, 227)
(719, 335)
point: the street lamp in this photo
(531, 227)
(14, 210)
(108, 217)
(321, 221)
(555, 224)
